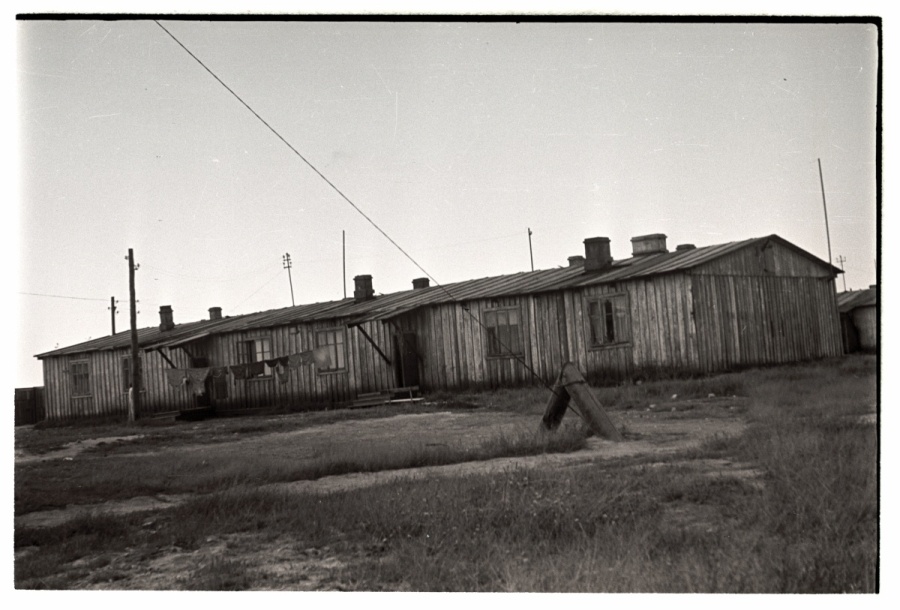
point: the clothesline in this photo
(195, 378)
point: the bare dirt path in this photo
(286, 563)
(654, 433)
(70, 450)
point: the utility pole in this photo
(530, 253)
(286, 263)
(824, 205)
(841, 260)
(136, 382)
(113, 312)
(344, 259)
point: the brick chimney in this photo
(364, 290)
(575, 261)
(166, 321)
(596, 254)
(420, 282)
(648, 244)
(215, 313)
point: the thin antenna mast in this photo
(530, 253)
(344, 259)
(825, 206)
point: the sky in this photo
(454, 138)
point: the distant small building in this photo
(859, 319)
(759, 301)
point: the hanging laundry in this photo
(322, 357)
(217, 372)
(239, 371)
(283, 373)
(197, 379)
(255, 369)
(198, 376)
(297, 360)
(175, 377)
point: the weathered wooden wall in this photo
(759, 305)
(745, 321)
(29, 405)
(108, 395)
(771, 258)
(366, 370)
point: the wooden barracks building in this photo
(759, 301)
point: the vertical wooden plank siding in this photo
(782, 319)
(108, 395)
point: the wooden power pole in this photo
(112, 313)
(134, 406)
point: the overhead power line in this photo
(349, 201)
(60, 296)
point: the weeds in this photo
(808, 523)
(54, 484)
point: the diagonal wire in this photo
(266, 283)
(60, 296)
(348, 200)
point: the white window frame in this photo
(337, 350)
(612, 317)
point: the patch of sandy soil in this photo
(279, 564)
(50, 518)
(284, 564)
(70, 450)
(647, 433)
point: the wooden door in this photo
(406, 360)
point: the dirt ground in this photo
(658, 432)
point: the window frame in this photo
(126, 373)
(250, 351)
(337, 356)
(73, 376)
(609, 306)
(498, 345)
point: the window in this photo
(256, 350)
(608, 320)
(503, 335)
(333, 340)
(126, 372)
(81, 378)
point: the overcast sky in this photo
(455, 138)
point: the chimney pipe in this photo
(683, 247)
(575, 261)
(654, 243)
(596, 254)
(215, 313)
(421, 282)
(166, 320)
(364, 290)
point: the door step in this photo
(371, 399)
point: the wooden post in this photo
(134, 406)
(571, 385)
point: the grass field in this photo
(789, 504)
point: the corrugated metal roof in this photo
(851, 299)
(387, 306)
